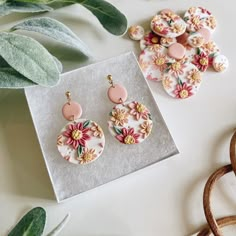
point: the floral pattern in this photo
(87, 156)
(97, 130)
(183, 91)
(185, 84)
(153, 61)
(146, 128)
(128, 136)
(119, 116)
(138, 127)
(177, 68)
(138, 110)
(168, 24)
(201, 60)
(159, 61)
(81, 141)
(199, 17)
(194, 76)
(76, 135)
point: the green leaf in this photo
(80, 150)
(13, 6)
(59, 227)
(86, 123)
(32, 224)
(117, 130)
(9, 78)
(29, 58)
(109, 16)
(53, 29)
(149, 116)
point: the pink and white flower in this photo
(138, 110)
(76, 135)
(128, 136)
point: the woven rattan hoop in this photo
(232, 152)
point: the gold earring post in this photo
(68, 96)
(110, 80)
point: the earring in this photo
(130, 122)
(81, 141)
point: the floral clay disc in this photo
(149, 39)
(81, 141)
(199, 17)
(153, 61)
(182, 80)
(130, 122)
(168, 24)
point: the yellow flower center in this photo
(140, 108)
(160, 61)
(129, 139)
(204, 61)
(159, 28)
(176, 66)
(88, 156)
(120, 116)
(77, 134)
(196, 76)
(184, 93)
(196, 21)
(154, 40)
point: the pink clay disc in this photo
(176, 51)
(117, 93)
(167, 10)
(206, 34)
(72, 111)
(182, 38)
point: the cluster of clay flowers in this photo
(77, 135)
(131, 123)
(177, 50)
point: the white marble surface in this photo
(164, 199)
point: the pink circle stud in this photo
(117, 93)
(176, 51)
(72, 110)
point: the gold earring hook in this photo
(68, 96)
(110, 80)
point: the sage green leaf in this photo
(53, 29)
(86, 123)
(32, 224)
(59, 65)
(59, 227)
(80, 150)
(9, 78)
(108, 15)
(8, 7)
(117, 130)
(29, 58)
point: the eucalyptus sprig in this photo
(24, 61)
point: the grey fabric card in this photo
(88, 86)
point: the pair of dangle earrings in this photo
(82, 141)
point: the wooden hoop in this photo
(213, 223)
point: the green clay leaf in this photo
(109, 16)
(198, 51)
(55, 30)
(80, 150)
(149, 116)
(32, 61)
(86, 123)
(117, 130)
(32, 224)
(7, 7)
